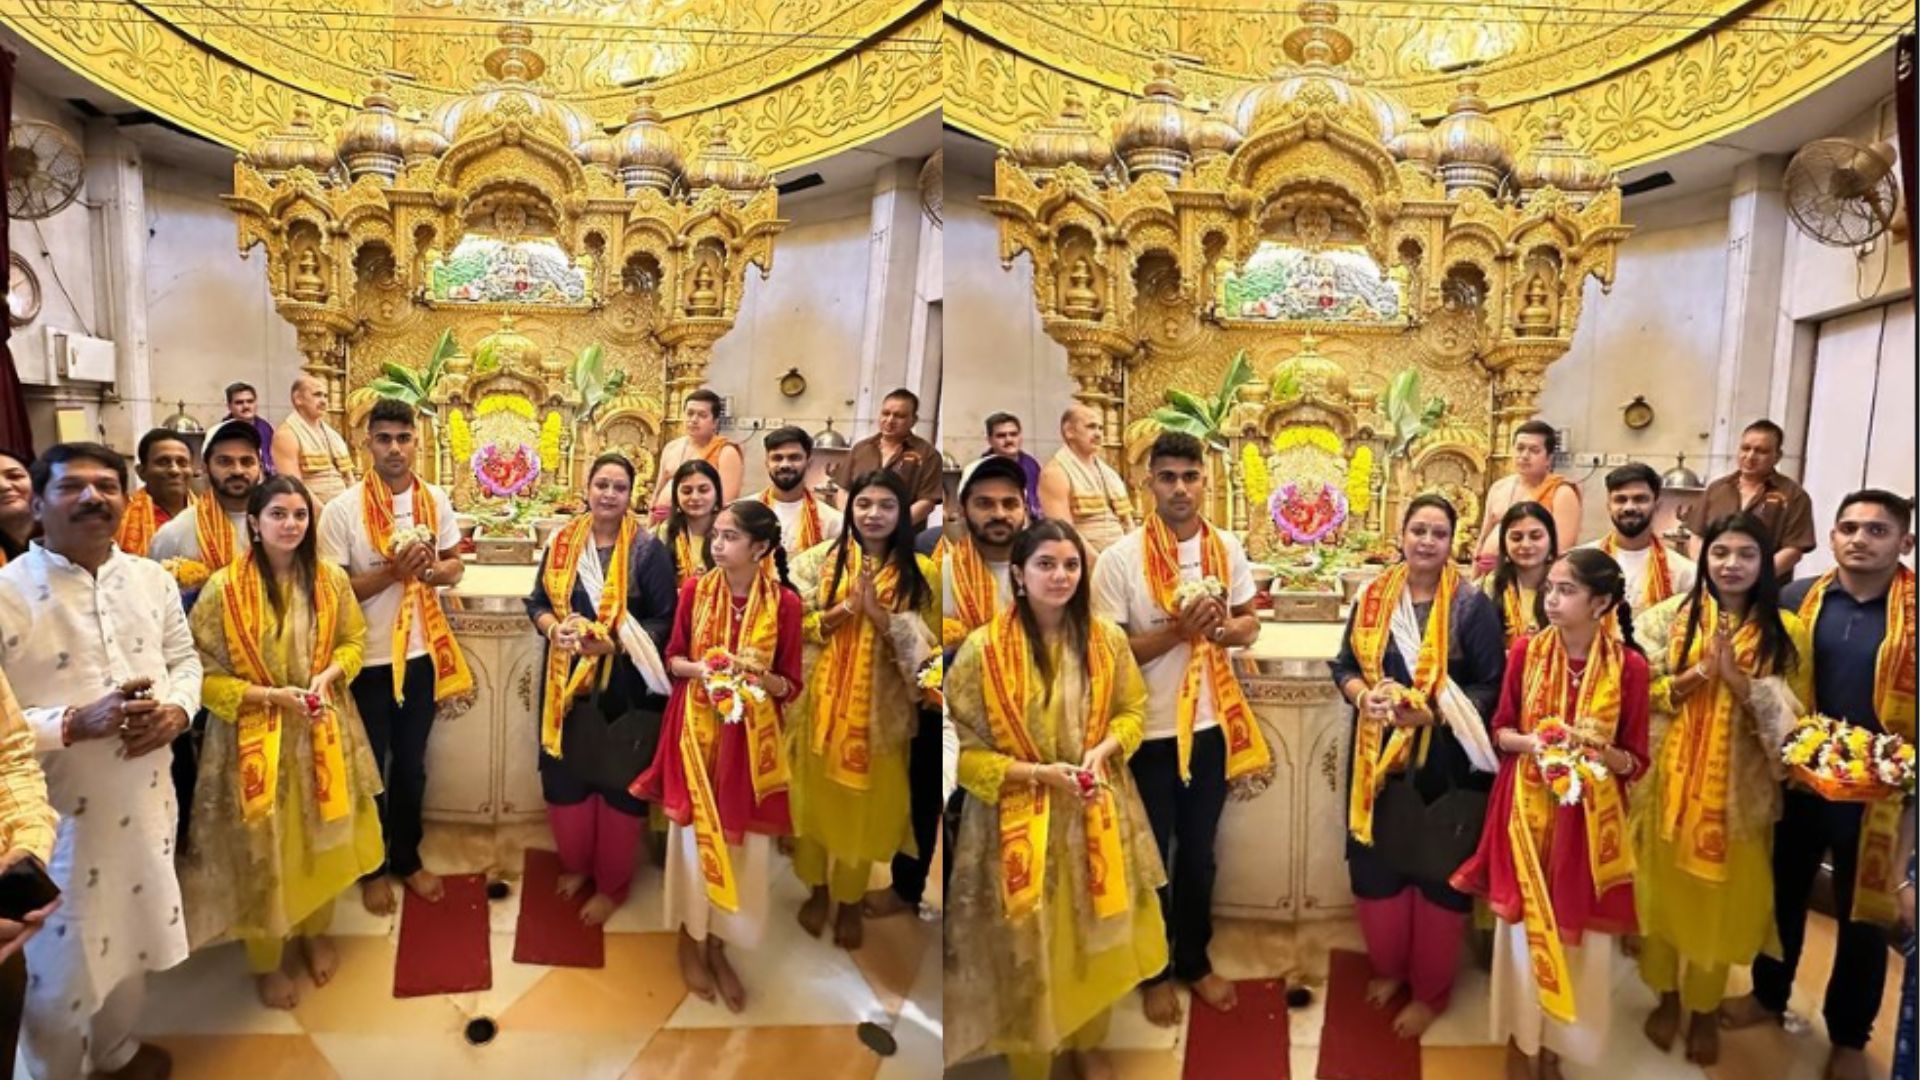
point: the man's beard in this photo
(228, 485)
(786, 481)
(979, 532)
(1631, 526)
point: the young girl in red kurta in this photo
(1559, 878)
(722, 778)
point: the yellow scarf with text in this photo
(1516, 613)
(810, 527)
(976, 595)
(1207, 662)
(1596, 718)
(843, 677)
(213, 529)
(1696, 761)
(1876, 878)
(243, 617)
(570, 675)
(1658, 584)
(1377, 754)
(1025, 809)
(713, 628)
(451, 676)
(141, 522)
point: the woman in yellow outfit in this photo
(284, 819)
(1728, 677)
(1051, 915)
(872, 615)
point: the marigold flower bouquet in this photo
(189, 573)
(1566, 762)
(930, 678)
(729, 685)
(1848, 763)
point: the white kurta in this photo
(1516, 1012)
(68, 638)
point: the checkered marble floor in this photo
(1459, 1045)
(631, 1019)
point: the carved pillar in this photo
(325, 358)
(690, 349)
(1516, 398)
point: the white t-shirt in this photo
(179, 538)
(1120, 593)
(1633, 565)
(344, 541)
(789, 515)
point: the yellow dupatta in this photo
(243, 617)
(1658, 584)
(142, 521)
(451, 676)
(1372, 636)
(1246, 749)
(1876, 877)
(213, 530)
(1530, 824)
(569, 675)
(810, 527)
(1696, 761)
(1006, 664)
(976, 596)
(843, 676)
(1516, 613)
(713, 628)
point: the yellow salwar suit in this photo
(276, 877)
(1043, 983)
(1695, 928)
(841, 829)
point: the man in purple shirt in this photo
(243, 404)
(1003, 438)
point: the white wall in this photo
(996, 356)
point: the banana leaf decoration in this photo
(1205, 418)
(595, 384)
(402, 383)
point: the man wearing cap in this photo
(213, 527)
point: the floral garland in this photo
(550, 438)
(1360, 481)
(929, 679)
(729, 686)
(1317, 527)
(406, 538)
(494, 403)
(504, 477)
(459, 436)
(1187, 592)
(1253, 468)
(1315, 435)
(1848, 763)
(1567, 765)
(187, 573)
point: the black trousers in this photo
(1184, 819)
(13, 998)
(186, 774)
(1808, 829)
(923, 794)
(397, 732)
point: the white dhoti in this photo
(686, 890)
(1515, 1008)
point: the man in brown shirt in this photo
(898, 450)
(1755, 488)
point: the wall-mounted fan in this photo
(1843, 193)
(44, 170)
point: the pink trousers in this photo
(596, 840)
(1414, 940)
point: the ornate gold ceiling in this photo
(794, 80)
(1635, 80)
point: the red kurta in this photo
(665, 781)
(1490, 873)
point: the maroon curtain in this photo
(1905, 86)
(15, 434)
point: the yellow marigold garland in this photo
(1314, 435)
(494, 403)
(460, 437)
(550, 443)
(1253, 469)
(1360, 482)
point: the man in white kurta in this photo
(79, 621)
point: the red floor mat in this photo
(1247, 1042)
(549, 930)
(443, 945)
(1357, 1041)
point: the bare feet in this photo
(569, 885)
(728, 980)
(693, 967)
(277, 991)
(813, 913)
(1664, 1022)
(426, 885)
(1519, 1065)
(1093, 1065)
(1381, 992)
(849, 929)
(323, 958)
(1746, 1011)
(376, 895)
(1413, 1020)
(1846, 1063)
(884, 903)
(1160, 1003)
(598, 909)
(1216, 991)
(1550, 1065)
(1703, 1038)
